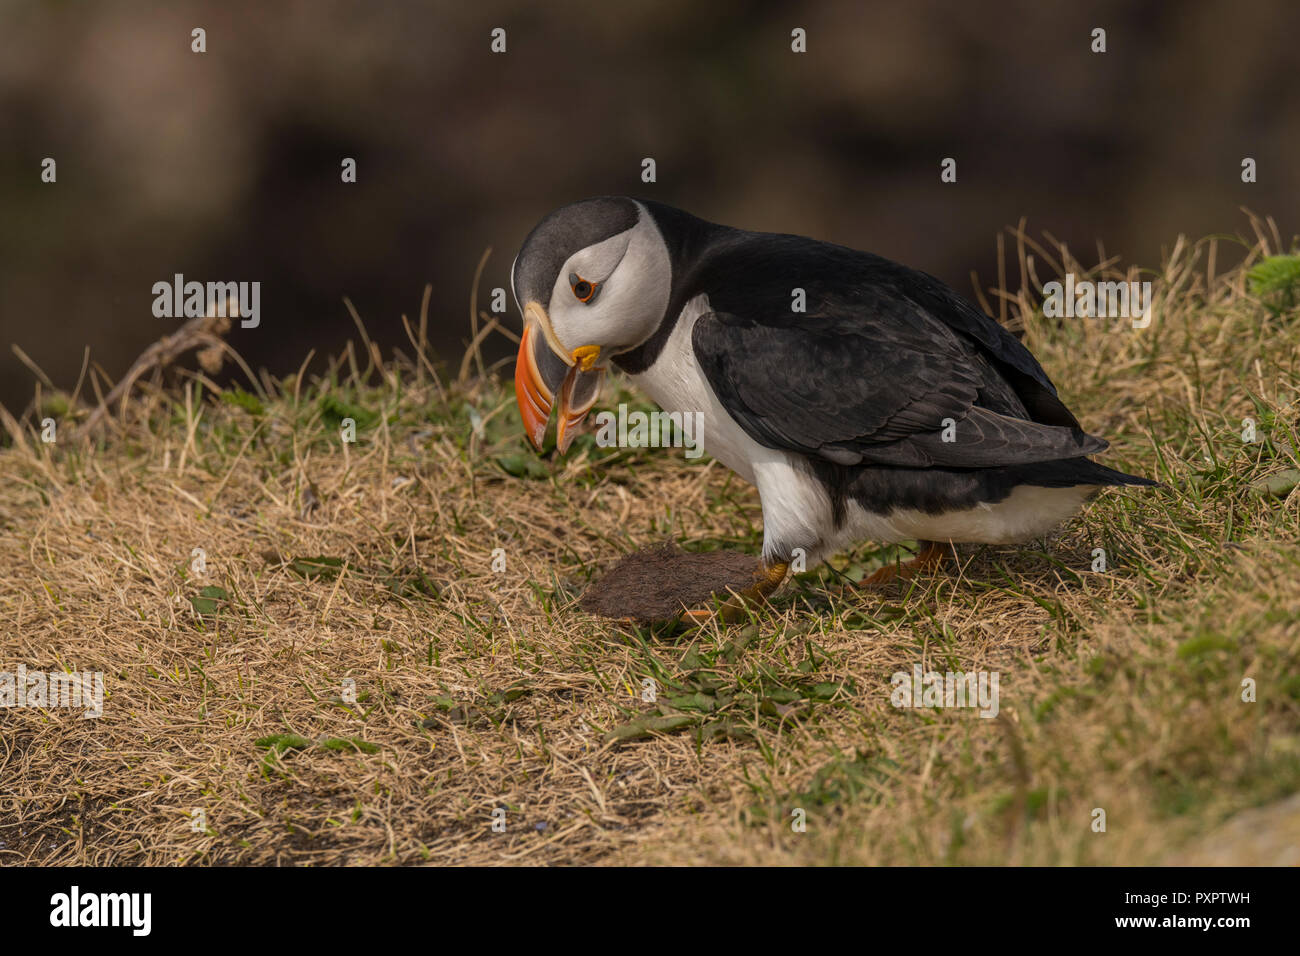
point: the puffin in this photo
(864, 400)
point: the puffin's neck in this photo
(690, 242)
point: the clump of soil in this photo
(658, 583)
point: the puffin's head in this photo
(592, 280)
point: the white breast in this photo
(796, 507)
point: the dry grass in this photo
(479, 689)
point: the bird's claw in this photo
(929, 558)
(767, 579)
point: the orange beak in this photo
(542, 374)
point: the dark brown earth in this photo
(658, 583)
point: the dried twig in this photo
(204, 332)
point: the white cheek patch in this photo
(595, 263)
(634, 274)
(575, 322)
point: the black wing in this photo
(887, 366)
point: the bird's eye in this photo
(583, 290)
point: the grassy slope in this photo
(477, 689)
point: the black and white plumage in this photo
(837, 414)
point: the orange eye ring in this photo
(583, 289)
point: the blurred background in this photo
(226, 165)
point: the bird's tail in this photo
(1069, 472)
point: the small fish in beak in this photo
(542, 374)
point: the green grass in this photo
(773, 740)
